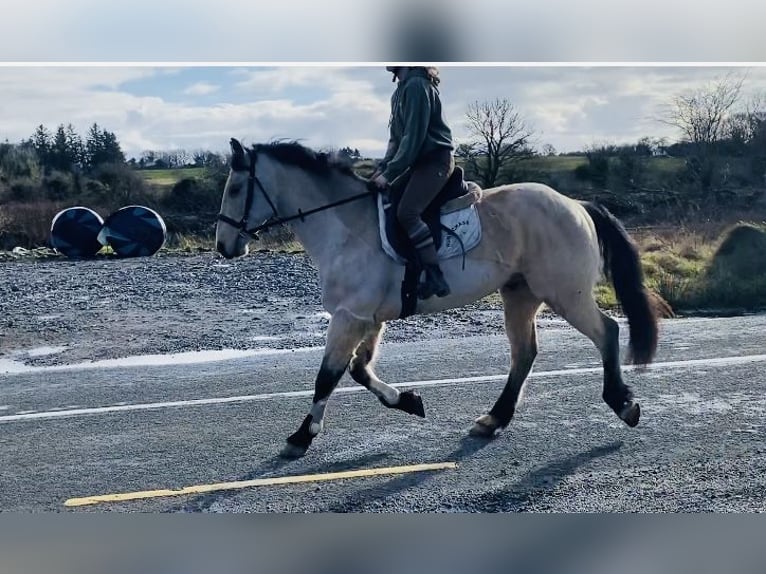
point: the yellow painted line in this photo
(204, 488)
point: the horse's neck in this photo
(324, 232)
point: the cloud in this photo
(347, 111)
(333, 106)
(201, 89)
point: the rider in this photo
(420, 143)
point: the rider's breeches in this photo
(426, 181)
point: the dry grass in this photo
(27, 225)
(691, 270)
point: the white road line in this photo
(54, 414)
(9, 367)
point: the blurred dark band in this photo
(400, 30)
(381, 544)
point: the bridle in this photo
(241, 225)
(275, 219)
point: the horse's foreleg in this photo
(343, 336)
(361, 370)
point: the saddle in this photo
(456, 198)
(456, 194)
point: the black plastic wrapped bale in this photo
(74, 232)
(134, 231)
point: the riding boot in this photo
(434, 283)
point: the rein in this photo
(276, 219)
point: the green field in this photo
(564, 163)
(659, 166)
(169, 177)
(554, 163)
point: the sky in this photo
(326, 106)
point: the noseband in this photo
(275, 219)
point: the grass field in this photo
(554, 163)
(169, 177)
(660, 166)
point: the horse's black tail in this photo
(622, 265)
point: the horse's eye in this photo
(235, 189)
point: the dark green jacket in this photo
(417, 124)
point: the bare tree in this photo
(702, 118)
(549, 150)
(499, 136)
(746, 126)
(756, 113)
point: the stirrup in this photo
(434, 283)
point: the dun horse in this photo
(537, 246)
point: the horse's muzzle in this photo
(222, 250)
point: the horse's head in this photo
(240, 209)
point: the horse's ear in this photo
(236, 148)
(238, 156)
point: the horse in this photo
(538, 246)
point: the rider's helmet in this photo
(393, 70)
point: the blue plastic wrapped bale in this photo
(134, 231)
(74, 232)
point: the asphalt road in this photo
(700, 446)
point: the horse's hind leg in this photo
(361, 370)
(582, 312)
(521, 307)
(343, 336)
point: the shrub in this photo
(17, 161)
(58, 186)
(123, 186)
(24, 189)
(27, 224)
(742, 252)
(193, 195)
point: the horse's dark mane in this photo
(293, 153)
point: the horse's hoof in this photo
(631, 413)
(292, 451)
(484, 427)
(411, 403)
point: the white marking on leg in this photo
(317, 417)
(384, 391)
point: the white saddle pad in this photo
(465, 223)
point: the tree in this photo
(349, 154)
(499, 136)
(746, 128)
(75, 147)
(549, 150)
(18, 161)
(648, 146)
(209, 159)
(41, 142)
(701, 117)
(62, 154)
(148, 158)
(102, 147)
